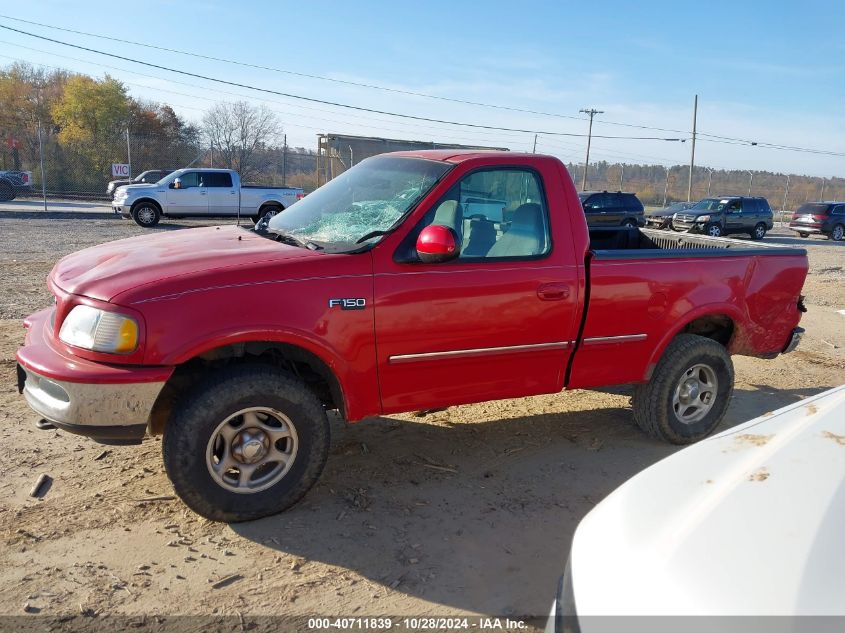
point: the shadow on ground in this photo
(477, 515)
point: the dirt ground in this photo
(464, 511)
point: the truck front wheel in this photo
(146, 214)
(248, 442)
(689, 392)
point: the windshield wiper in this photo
(287, 238)
(369, 236)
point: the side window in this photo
(592, 203)
(840, 210)
(496, 213)
(734, 206)
(632, 202)
(190, 179)
(218, 179)
(602, 201)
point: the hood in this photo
(105, 271)
(749, 522)
(663, 213)
(141, 185)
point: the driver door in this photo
(496, 322)
(733, 217)
(190, 199)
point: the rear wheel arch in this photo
(294, 359)
(719, 325)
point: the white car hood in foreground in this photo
(748, 522)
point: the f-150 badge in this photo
(348, 304)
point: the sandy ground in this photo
(464, 511)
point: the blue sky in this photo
(764, 71)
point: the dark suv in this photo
(726, 215)
(609, 208)
(827, 218)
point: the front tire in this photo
(804, 234)
(630, 224)
(837, 233)
(689, 392)
(7, 192)
(248, 442)
(146, 214)
(758, 232)
(713, 230)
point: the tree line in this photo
(86, 124)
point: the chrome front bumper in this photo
(109, 413)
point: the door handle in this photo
(553, 292)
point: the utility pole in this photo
(785, 195)
(41, 157)
(592, 112)
(666, 186)
(534, 151)
(692, 154)
(622, 177)
(128, 154)
(750, 182)
(285, 161)
(351, 157)
(821, 196)
(709, 180)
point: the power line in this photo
(329, 79)
(323, 101)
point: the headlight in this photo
(100, 331)
(703, 218)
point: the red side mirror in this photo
(437, 243)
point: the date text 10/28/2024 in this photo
(416, 624)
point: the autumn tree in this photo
(238, 132)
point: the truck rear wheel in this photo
(689, 392)
(248, 442)
(272, 209)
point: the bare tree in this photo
(238, 132)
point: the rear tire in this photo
(837, 233)
(630, 224)
(804, 234)
(7, 192)
(758, 232)
(689, 392)
(267, 208)
(212, 423)
(146, 214)
(713, 230)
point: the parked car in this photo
(375, 295)
(725, 216)
(746, 523)
(200, 193)
(145, 177)
(662, 218)
(825, 218)
(14, 183)
(612, 208)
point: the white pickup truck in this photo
(200, 193)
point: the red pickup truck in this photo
(415, 280)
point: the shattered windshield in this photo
(366, 200)
(710, 204)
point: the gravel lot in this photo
(465, 511)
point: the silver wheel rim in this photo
(837, 233)
(761, 231)
(695, 394)
(146, 215)
(251, 450)
(714, 231)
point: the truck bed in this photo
(633, 243)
